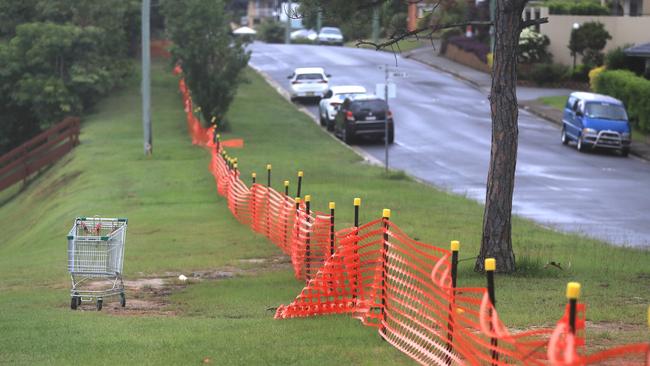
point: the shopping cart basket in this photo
(95, 258)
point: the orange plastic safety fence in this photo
(403, 287)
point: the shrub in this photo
(616, 59)
(580, 73)
(471, 45)
(577, 8)
(593, 74)
(589, 40)
(533, 47)
(397, 23)
(632, 90)
(445, 35)
(548, 73)
(271, 32)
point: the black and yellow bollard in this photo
(254, 177)
(455, 247)
(332, 206)
(308, 239)
(355, 283)
(384, 266)
(268, 175)
(217, 141)
(286, 188)
(490, 267)
(300, 175)
(572, 294)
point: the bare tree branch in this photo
(431, 29)
(531, 22)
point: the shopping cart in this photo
(95, 258)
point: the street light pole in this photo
(386, 118)
(576, 26)
(146, 79)
(287, 29)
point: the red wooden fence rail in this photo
(40, 151)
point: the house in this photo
(259, 10)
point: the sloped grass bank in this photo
(178, 224)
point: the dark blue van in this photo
(596, 121)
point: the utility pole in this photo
(146, 79)
(386, 118)
(375, 25)
(319, 22)
(287, 29)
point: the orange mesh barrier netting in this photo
(378, 274)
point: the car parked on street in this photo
(330, 35)
(304, 35)
(596, 121)
(333, 98)
(308, 82)
(364, 115)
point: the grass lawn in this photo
(178, 224)
(559, 102)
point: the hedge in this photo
(471, 45)
(576, 8)
(632, 90)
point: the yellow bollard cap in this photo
(455, 245)
(234, 165)
(332, 205)
(297, 199)
(357, 201)
(300, 173)
(254, 175)
(572, 290)
(213, 119)
(268, 166)
(286, 183)
(234, 160)
(490, 264)
(307, 198)
(386, 213)
(218, 136)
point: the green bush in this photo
(577, 8)
(548, 73)
(616, 59)
(632, 90)
(533, 47)
(444, 38)
(580, 73)
(271, 32)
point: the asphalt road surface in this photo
(442, 136)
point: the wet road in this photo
(442, 136)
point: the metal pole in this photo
(386, 118)
(319, 23)
(375, 24)
(146, 79)
(287, 27)
(490, 267)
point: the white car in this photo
(330, 35)
(304, 34)
(332, 99)
(308, 82)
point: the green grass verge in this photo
(404, 45)
(179, 224)
(558, 102)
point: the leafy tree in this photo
(589, 40)
(272, 32)
(211, 58)
(533, 47)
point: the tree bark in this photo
(497, 240)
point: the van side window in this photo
(576, 106)
(570, 102)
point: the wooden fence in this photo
(41, 151)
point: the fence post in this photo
(332, 208)
(308, 239)
(254, 177)
(268, 200)
(300, 174)
(297, 222)
(355, 283)
(268, 175)
(490, 267)
(217, 142)
(286, 187)
(572, 294)
(455, 247)
(384, 267)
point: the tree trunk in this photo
(497, 240)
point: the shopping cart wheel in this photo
(122, 299)
(100, 302)
(73, 303)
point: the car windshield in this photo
(374, 105)
(306, 77)
(606, 111)
(330, 31)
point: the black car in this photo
(364, 115)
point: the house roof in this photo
(641, 50)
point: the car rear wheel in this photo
(391, 135)
(565, 138)
(323, 121)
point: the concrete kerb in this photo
(366, 157)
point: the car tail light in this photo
(349, 116)
(295, 82)
(389, 114)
